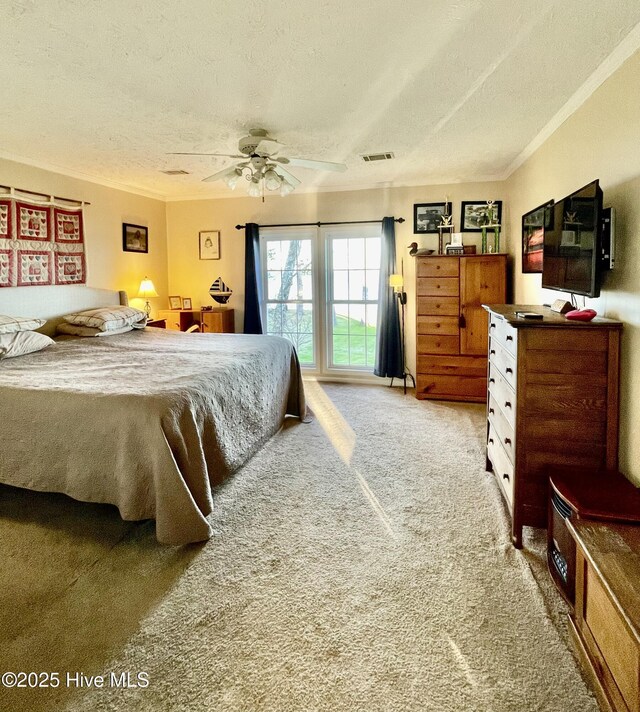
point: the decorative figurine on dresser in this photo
(451, 324)
(552, 401)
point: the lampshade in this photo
(272, 180)
(232, 179)
(254, 188)
(147, 290)
(285, 188)
(396, 281)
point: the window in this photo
(353, 269)
(321, 293)
(288, 279)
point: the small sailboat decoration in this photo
(220, 292)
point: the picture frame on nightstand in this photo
(175, 302)
(186, 303)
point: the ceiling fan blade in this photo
(222, 155)
(268, 147)
(220, 174)
(285, 174)
(315, 165)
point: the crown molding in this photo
(629, 45)
(70, 173)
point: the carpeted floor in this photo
(360, 562)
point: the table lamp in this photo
(146, 292)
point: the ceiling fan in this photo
(261, 166)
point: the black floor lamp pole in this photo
(402, 298)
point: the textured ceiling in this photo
(456, 90)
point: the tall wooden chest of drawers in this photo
(552, 400)
(451, 325)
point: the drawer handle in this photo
(505, 477)
(492, 380)
(492, 325)
(507, 404)
(491, 441)
(491, 410)
(509, 338)
(492, 352)
(509, 370)
(507, 441)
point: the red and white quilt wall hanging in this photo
(40, 245)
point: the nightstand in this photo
(158, 323)
(217, 321)
(179, 319)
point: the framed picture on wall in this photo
(475, 215)
(533, 225)
(135, 238)
(210, 245)
(427, 217)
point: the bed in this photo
(148, 421)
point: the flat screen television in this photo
(572, 243)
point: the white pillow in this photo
(21, 343)
(74, 330)
(11, 324)
(107, 318)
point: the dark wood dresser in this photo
(552, 400)
(451, 325)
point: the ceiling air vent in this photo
(386, 156)
(179, 172)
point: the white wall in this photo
(600, 140)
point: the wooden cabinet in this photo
(577, 493)
(158, 323)
(606, 618)
(451, 325)
(211, 321)
(179, 319)
(217, 321)
(552, 401)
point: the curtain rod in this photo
(13, 190)
(320, 224)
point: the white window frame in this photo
(322, 274)
(284, 234)
(328, 233)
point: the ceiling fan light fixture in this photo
(285, 188)
(254, 188)
(272, 180)
(262, 168)
(232, 179)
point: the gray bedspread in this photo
(147, 421)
